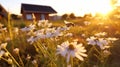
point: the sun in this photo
(103, 6)
(97, 6)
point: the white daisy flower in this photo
(72, 49)
(91, 40)
(31, 39)
(3, 29)
(100, 34)
(87, 23)
(83, 35)
(101, 42)
(112, 39)
(44, 23)
(26, 29)
(69, 34)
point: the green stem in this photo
(4, 59)
(20, 60)
(97, 50)
(39, 44)
(71, 59)
(12, 58)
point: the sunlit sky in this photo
(78, 7)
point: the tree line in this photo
(68, 16)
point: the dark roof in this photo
(3, 12)
(37, 8)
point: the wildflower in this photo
(112, 39)
(50, 24)
(64, 28)
(3, 29)
(31, 40)
(7, 38)
(91, 40)
(3, 45)
(32, 26)
(1, 25)
(16, 30)
(68, 24)
(34, 61)
(1, 53)
(72, 49)
(9, 61)
(16, 50)
(56, 33)
(69, 34)
(33, 16)
(44, 23)
(101, 42)
(48, 35)
(6, 54)
(25, 29)
(83, 35)
(106, 53)
(28, 57)
(87, 23)
(75, 40)
(100, 34)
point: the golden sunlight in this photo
(97, 6)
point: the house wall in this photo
(24, 16)
(37, 15)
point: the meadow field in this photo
(62, 43)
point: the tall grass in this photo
(32, 47)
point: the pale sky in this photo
(78, 7)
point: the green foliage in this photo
(65, 16)
(68, 16)
(72, 16)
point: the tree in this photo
(14, 16)
(64, 16)
(87, 16)
(72, 16)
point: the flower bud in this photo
(10, 61)
(16, 50)
(3, 45)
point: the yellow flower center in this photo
(71, 47)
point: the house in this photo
(3, 12)
(39, 11)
